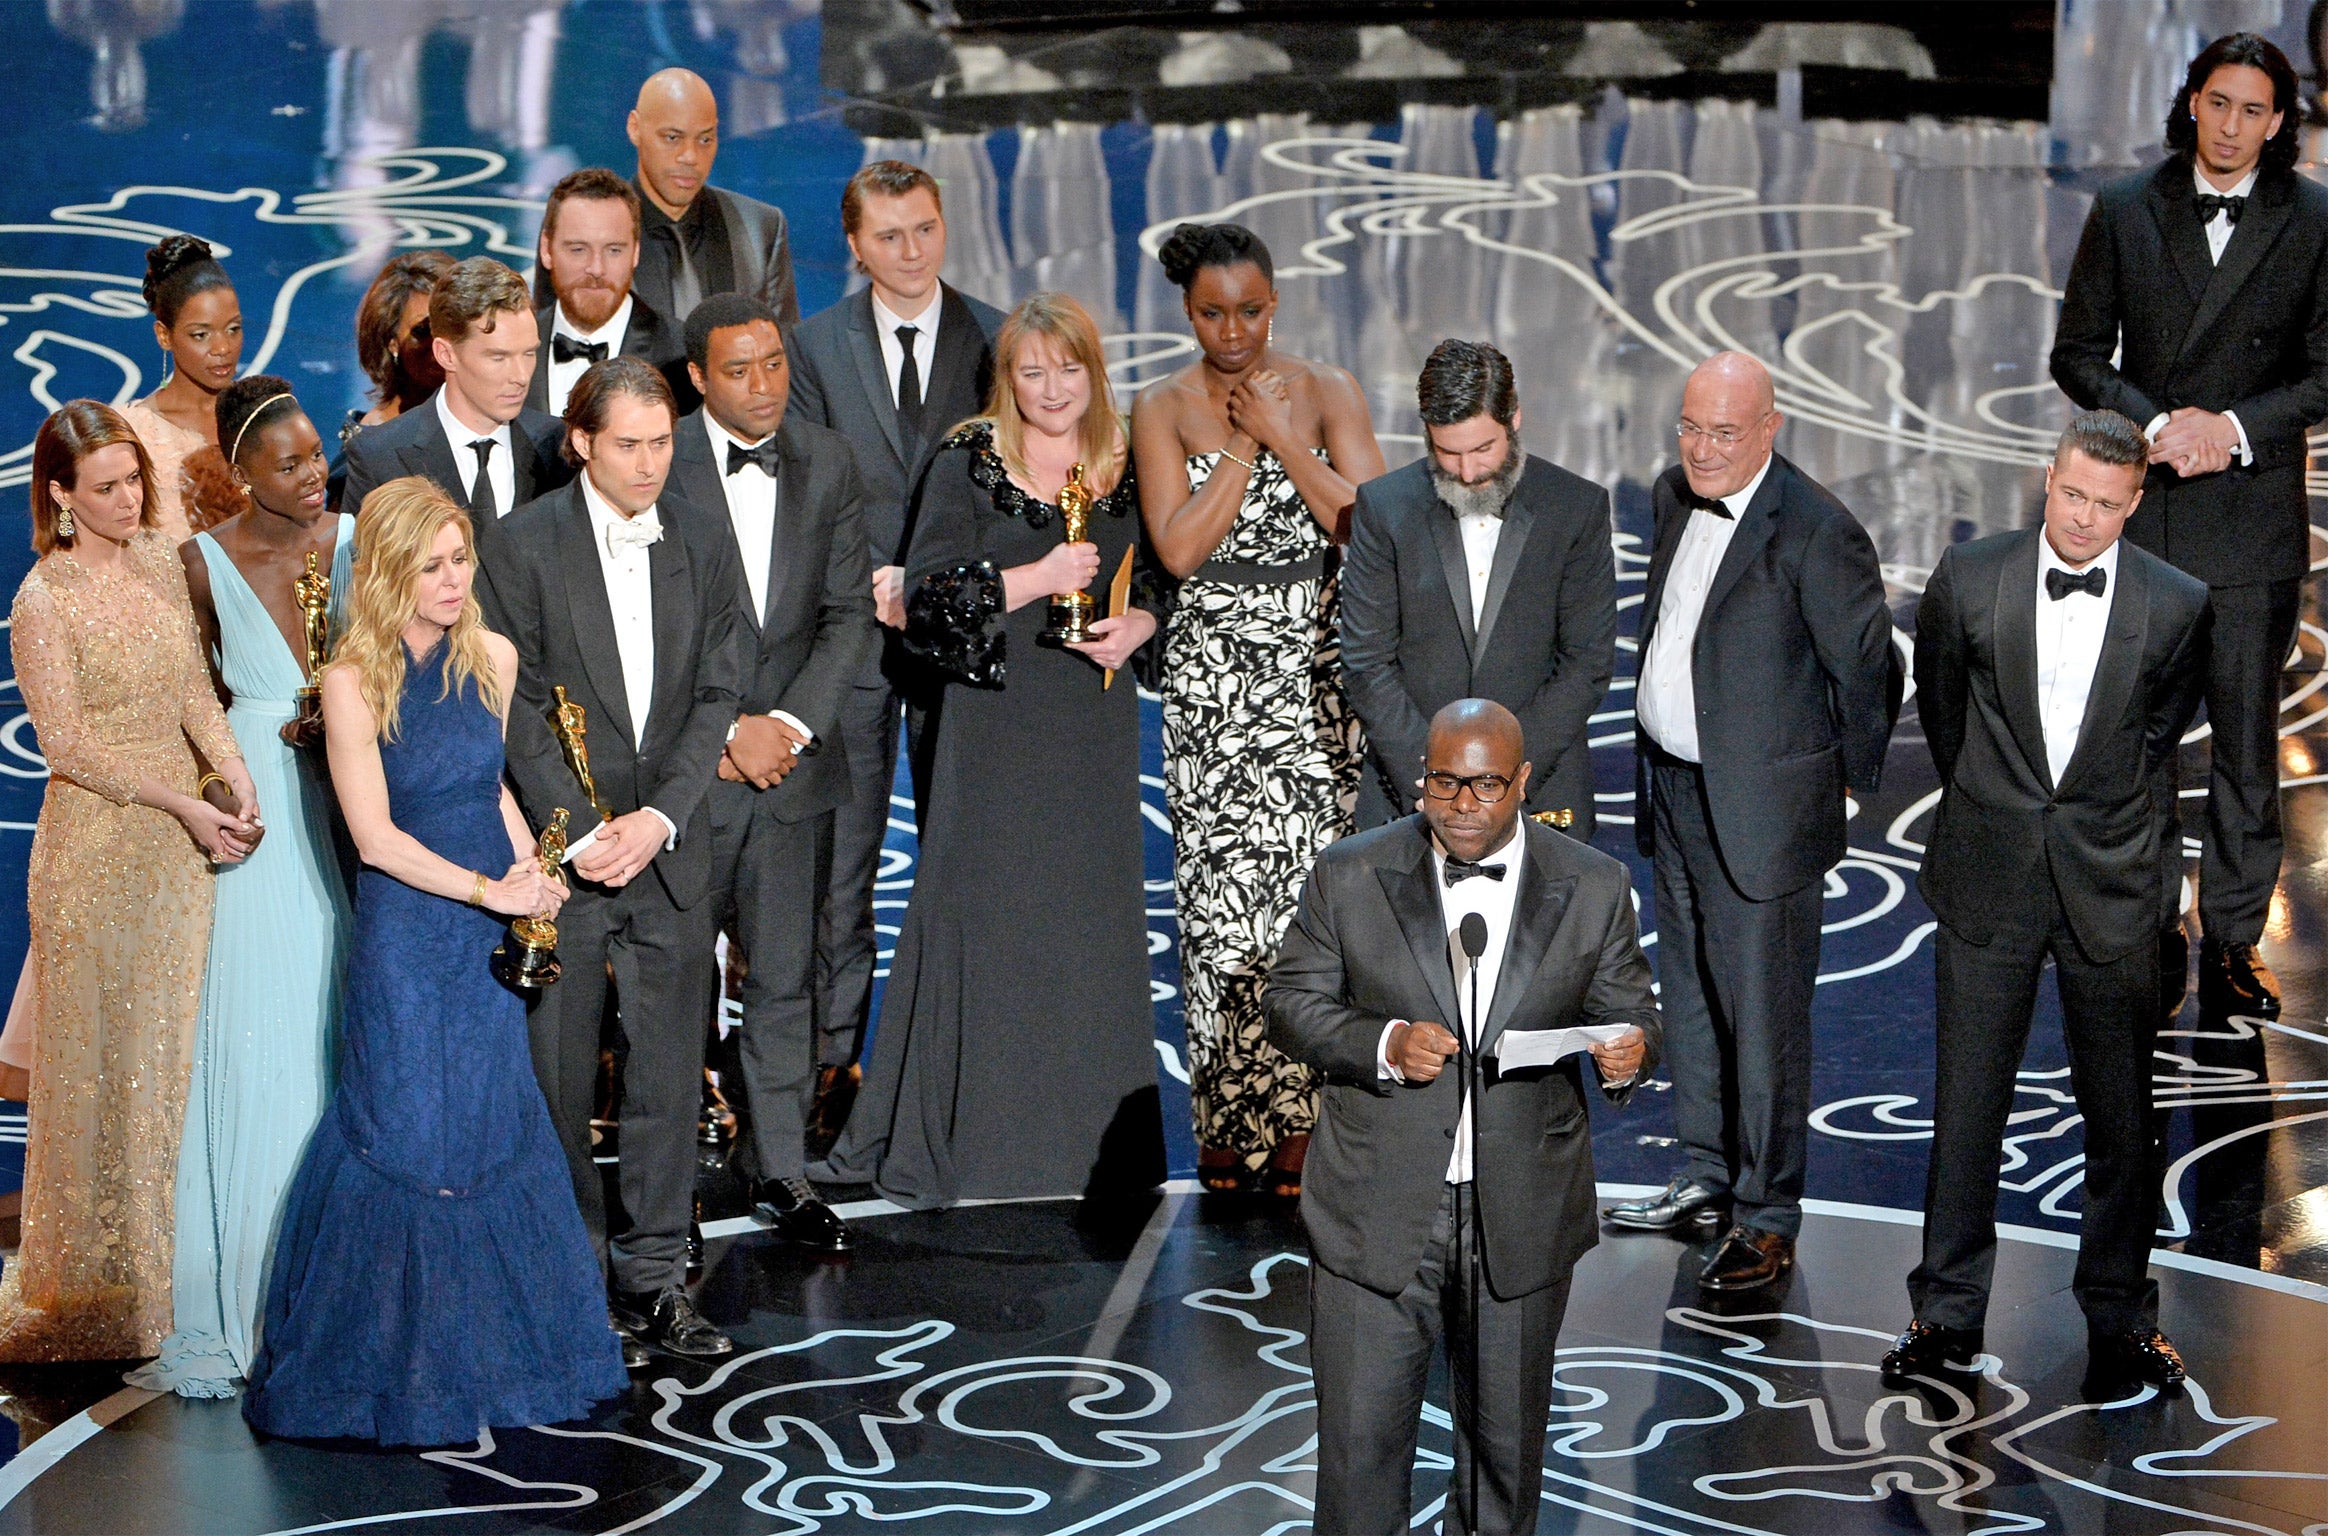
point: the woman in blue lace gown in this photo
(271, 992)
(432, 1278)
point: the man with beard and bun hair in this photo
(1768, 688)
(590, 249)
(1479, 571)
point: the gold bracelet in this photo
(208, 779)
(477, 896)
(1250, 468)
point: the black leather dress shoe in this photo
(2135, 1354)
(795, 1214)
(667, 1320)
(634, 1354)
(1924, 1350)
(2234, 979)
(1747, 1260)
(1684, 1202)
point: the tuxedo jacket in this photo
(759, 259)
(1543, 646)
(657, 341)
(546, 592)
(1369, 945)
(2006, 838)
(1797, 681)
(415, 444)
(805, 656)
(2248, 334)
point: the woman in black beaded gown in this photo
(1015, 1055)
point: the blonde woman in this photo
(1016, 1050)
(432, 1277)
(119, 892)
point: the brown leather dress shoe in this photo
(1747, 1260)
(2234, 979)
(828, 1111)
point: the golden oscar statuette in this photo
(568, 720)
(312, 592)
(528, 958)
(1563, 818)
(1071, 611)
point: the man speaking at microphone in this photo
(1407, 1203)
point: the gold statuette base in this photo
(528, 959)
(304, 730)
(1070, 619)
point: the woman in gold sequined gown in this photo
(119, 892)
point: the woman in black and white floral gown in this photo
(1261, 750)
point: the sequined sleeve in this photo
(948, 623)
(41, 640)
(200, 714)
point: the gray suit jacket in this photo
(1369, 945)
(805, 656)
(415, 444)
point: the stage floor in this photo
(1016, 1368)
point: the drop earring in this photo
(64, 522)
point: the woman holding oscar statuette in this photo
(270, 996)
(119, 892)
(431, 1276)
(1015, 1054)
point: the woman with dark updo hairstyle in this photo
(1249, 461)
(198, 325)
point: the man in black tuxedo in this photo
(2198, 306)
(854, 372)
(1768, 687)
(2056, 670)
(475, 438)
(627, 598)
(590, 248)
(794, 508)
(1479, 571)
(1370, 985)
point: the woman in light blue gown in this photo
(264, 1045)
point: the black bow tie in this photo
(1696, 503)
(2059, 584)
(1460, 870)
(2210, 205)
(565, 349)
(765, 456)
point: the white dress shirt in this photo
(925, 342)
(630, 593)
(751, 508)
(1665, 699)
(500, 465)
(1492, 900)
(2070, 631)
(1481, 531)
(564, 376)
(2218, 231)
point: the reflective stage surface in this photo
(1900, 278)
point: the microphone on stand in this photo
(1471, 933)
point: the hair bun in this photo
(168, 259)
(1183, 252)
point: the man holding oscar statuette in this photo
(1446, 975)
(625, 600)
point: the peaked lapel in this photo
(1510, 543)
(1757, 525)
(1538, 907)
(2178, 225)
(1416, 906)
(2258, 230)
(1447, 536)
(2118, 669)
(873, 374)
(671, 589)
(2016, 643)
(591, 614)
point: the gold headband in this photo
(236, 450)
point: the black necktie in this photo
(765, 456)
(1459, 870)
(909, 386)
(1697, 503)
(2210, 205)
(482, 506)
(2059, 584)
(565, 349)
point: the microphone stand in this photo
(1474, 929)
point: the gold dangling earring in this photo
(64, 522)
